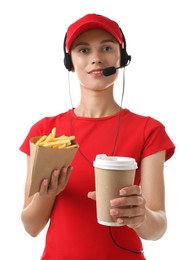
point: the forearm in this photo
(154, 225)
(36, 215)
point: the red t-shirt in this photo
(73, 231)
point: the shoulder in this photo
(152, 133)
(45, 125)
(140, 120)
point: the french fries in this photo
(60, 142)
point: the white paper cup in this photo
(112, 173)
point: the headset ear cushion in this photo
(125, 58)
(67, 61)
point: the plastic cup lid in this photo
(114, 162)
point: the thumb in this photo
(92, 195)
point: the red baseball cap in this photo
(92, 21)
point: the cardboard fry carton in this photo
(44, 160)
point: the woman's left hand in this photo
(129, 209)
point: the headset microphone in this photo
(109, 71)
(126, 59)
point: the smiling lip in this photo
(96, 72)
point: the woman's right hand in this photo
(57, 182)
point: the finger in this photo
(132, 222)
(128, 212)
(44, 187)
(54, 180)
(64, 176)
(128, 201)
(92, 195)
(130, 190)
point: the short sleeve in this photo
(157, 139)
(34, 131)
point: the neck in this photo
(97, 111)
(97, 104)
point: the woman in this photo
(95, 46)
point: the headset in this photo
(125, 58)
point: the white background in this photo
(34, 84)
